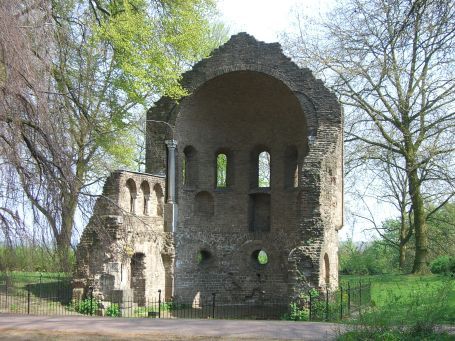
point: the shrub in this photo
(113, 310)
(443, 265)
(297, 313)
(86, 307)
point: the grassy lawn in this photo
(35, 292)
(410, 292)
(406, 306)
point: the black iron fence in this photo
(52, 295)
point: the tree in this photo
(76, 73)
(389, 185)
(391, 63)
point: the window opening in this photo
(159, 199)
(145, 189)
(203, 257)
(221, 170)
(131, 186)
(260, 257)
(264, 169)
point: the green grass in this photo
(406, 290)
(404, 307)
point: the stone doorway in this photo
(138, 278)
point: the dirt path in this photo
(29, 327)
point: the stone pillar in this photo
(171, 145)
(172, 207)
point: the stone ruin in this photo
(203, 214)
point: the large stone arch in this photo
(244, 53)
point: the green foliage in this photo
(86, 306)
(299, 310)
(164, 307)
(264, 169)
(153, 41)
(221, 170)
(368, 258)
(297, 313)
(405, 308)
(262, 257)
(443, 265)
(113, 310)
(408, 298)
(32, 258)
(173, 306)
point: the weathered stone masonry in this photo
(246, 99)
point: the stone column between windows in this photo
(171, 146)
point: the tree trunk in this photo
(402, 256)
(420, 226)
(63, 239)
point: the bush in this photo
(371, 258)
(86, 307)
(297, 313)
(443, 265)
(113, 310)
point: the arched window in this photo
(132, 194)
(291, 172)
(145, 189)
(264, 169)
(159, 199)
(221, 170)
(189, 167)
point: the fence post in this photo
(90, 291)
(28, 299)
(311, 304)
(159, 303)
(213, 305)
(40, 283)
(341, 302)
(326, 303)
(349, 299)
(360, 297)
(369, 290)
(6, 290)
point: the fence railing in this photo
(52, 295)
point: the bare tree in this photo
(391, 63)
(68, 105)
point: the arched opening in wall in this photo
(204, 205)
(263, 165)
(260, 257)
(189, 169)
(132, 195)
(159, 200)
(137, 282)
(145, 190)
(168, 276)
(259, 212)
(327, 269)
(221, 170)
(203, 257)
(291, 169)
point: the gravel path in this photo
(29, 327)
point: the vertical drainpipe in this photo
(171, 145)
